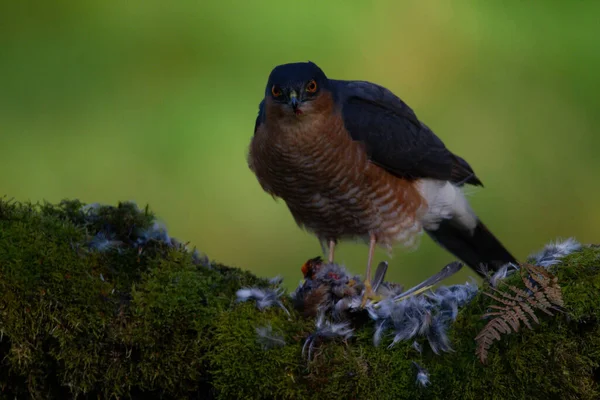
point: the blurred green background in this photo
(155, 102)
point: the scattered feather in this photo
(422, 375)
(332, 295)
(390, 289)
(417, 346)
(276, 280)
(326, 329)
(334, 292)
(156, 232)
(136, 238)
(428, 315)
(379, 329)
(91, 208)
(103, 242)
(502, 273)
(268, 339)
(265, 298)
(200, 259)
(554, 252)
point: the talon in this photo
(369, 294)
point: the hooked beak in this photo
(294, 100)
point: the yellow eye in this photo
(276, 91)
(311, 87)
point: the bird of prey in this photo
(352, 161)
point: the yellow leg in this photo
(369, 294)
(331, 250)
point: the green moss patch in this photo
(98, 302)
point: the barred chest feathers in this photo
(331, 187)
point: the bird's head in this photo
(311, 267)
(293, 88)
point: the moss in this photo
(243, 370)
(557, 359)
(134, 318)
(99, 302)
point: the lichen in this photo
(99, 301)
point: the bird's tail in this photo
(474, 249)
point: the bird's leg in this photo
(369, 294)
(331, 250)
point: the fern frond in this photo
(527, 308)
(517, 305)
(518, 310)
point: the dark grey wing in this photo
(394, 137)
(261, 115)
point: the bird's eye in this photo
(311, 87)
(276, 91)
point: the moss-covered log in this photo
(99, 302)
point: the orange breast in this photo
(329, 184)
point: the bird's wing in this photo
(394, 137)
(261, 115)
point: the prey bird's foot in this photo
(369, 294)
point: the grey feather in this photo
(379, 276)
(554, 252)
(326, 329)
(268, 339)
(264, 298)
